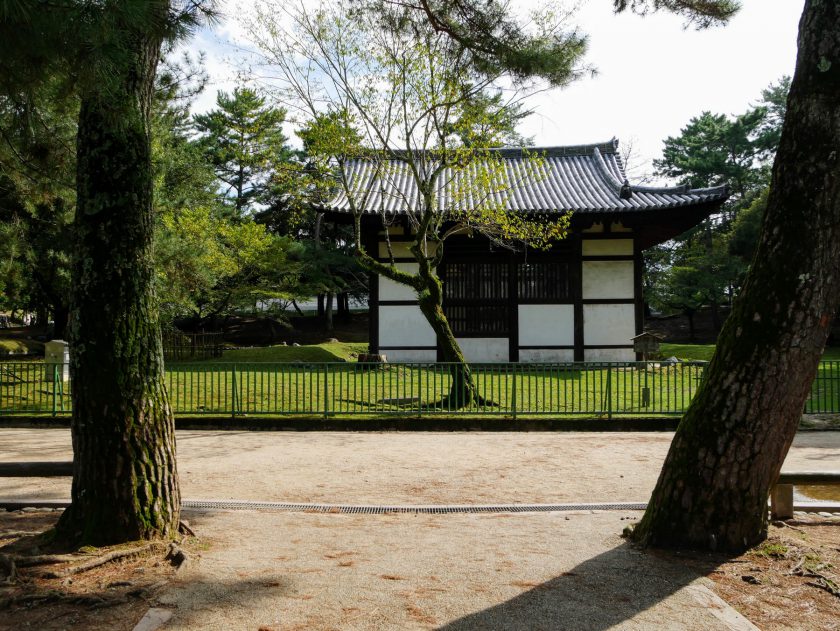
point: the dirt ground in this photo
(791, 581)
(114, 595)
(269, 571)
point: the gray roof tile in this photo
(581, 178)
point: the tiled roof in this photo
(582, 178)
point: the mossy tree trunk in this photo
(462, 389)
(125, 484)
(730, 446)
(429, 288)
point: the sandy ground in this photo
(403, 468)
(458, 573)
(270, 571)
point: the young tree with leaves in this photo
(412, 105)
(730, 446)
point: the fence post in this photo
(55, 387)
(326, 390)
(61, 389)
(513, 394)
(608, 391)
(234, 394)
(419, 390)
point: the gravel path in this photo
(404, 468)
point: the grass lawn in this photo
(694, 352)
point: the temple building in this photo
(579, 301)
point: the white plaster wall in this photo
(485, 349)
(552, 325)
(607, 247)
(608, 324)
(414, 355)
(607, 279)
(609, 355)
(390, 290)
(401, 249)
(542, 355)
(404, 325)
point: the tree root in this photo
(826, 584)
(822, 581)
(184, 528)
(46, 559)
(92, 602)
(100, 560)
(779, 523)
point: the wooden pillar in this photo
(638, 289)
(513, 308)
(370, 241)
(577, 291)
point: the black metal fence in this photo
(179, 346)
(407, 389)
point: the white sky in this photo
(653, 75)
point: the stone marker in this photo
(154, 619)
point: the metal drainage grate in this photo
(381, 510)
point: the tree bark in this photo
(462, 390)
(61, 314)
(328, 311)
(730, 446)
(125, 483)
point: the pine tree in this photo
(125, 483)
(243, 139)
(731, 443)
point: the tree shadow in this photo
(612, 588)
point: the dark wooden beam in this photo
(638, 290)
(513, 309)
(577, 291)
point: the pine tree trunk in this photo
(730, 446)
(328, 311)
(61, 313)
(125, 484)
(691, 331)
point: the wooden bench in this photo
(36, 469)
(781, 495)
